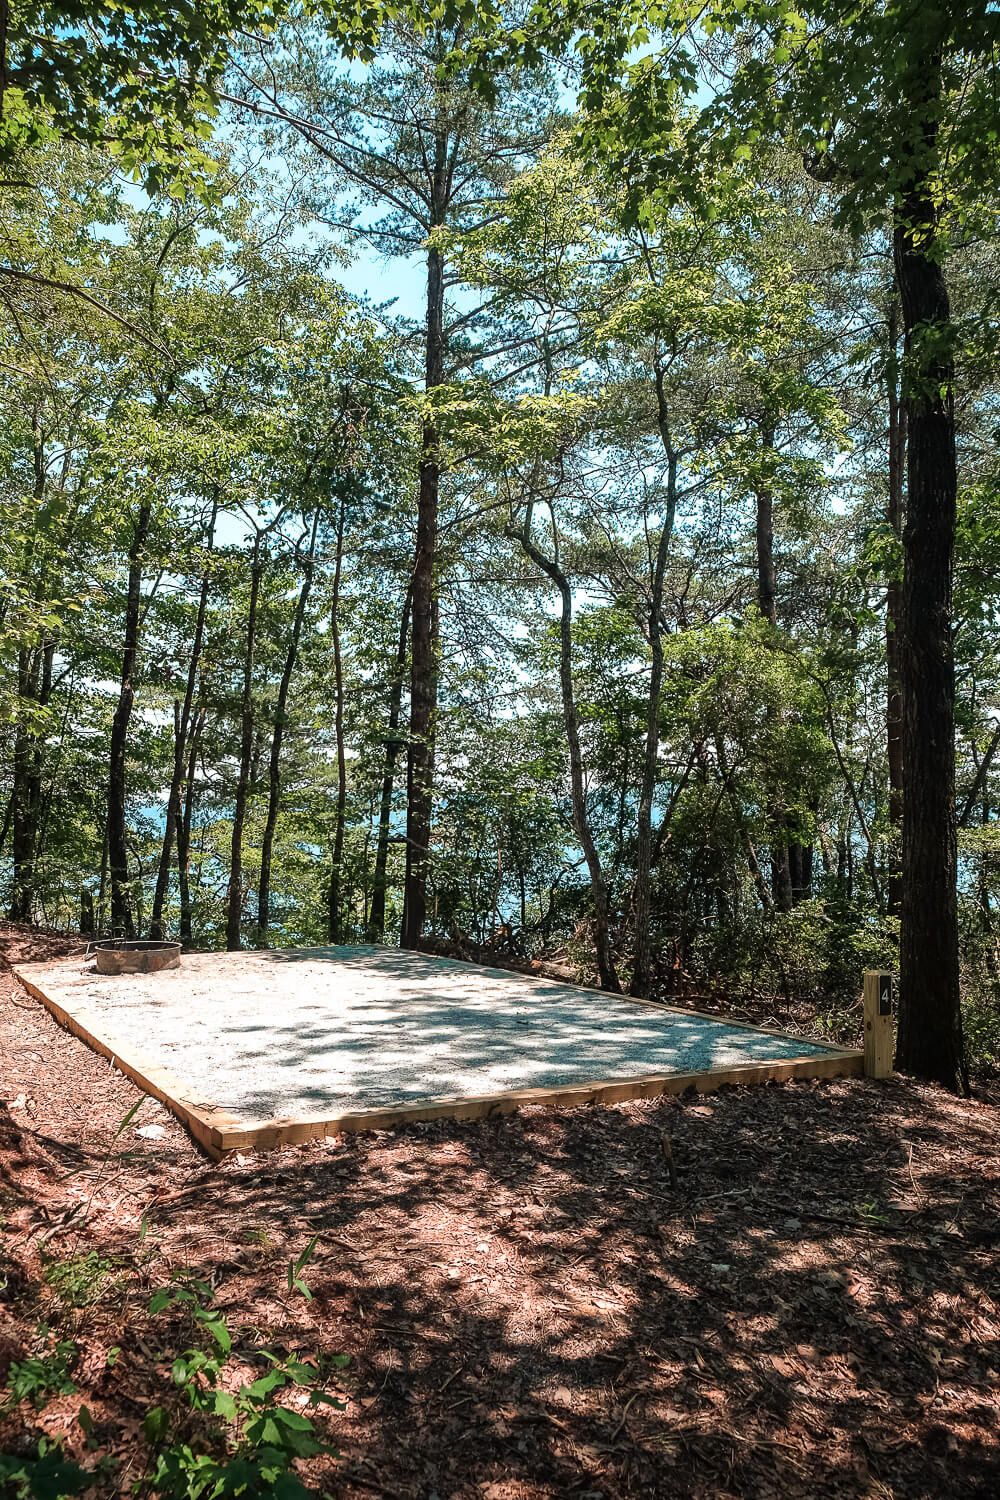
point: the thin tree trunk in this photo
(340, 813)
(27, 740)
(929, 1041)
(234, 895)
(102, 882)
(183, 830)
(280, 715)
(5, 828)
(979, 784)
(376, 919)
(581, 818)
(767, 603)
(767, 576)
(121, 909)
(22, 836)
(893, 611)
(641, 895)
(182, 720)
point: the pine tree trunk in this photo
(234, 894)
(929, 1041)
(423, 663)
(121, 908)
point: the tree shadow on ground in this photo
(531, 1306)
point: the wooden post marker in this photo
(878, 1023)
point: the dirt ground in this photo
(531, 1306)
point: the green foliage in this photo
(247, 1440)
(48, 1475)
(42, 1376)
(138, 75)
(215, 1435)
(81, 1280)
(298, 1265)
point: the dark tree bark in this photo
(334, 896)
(423, 662)
(121, 907)
(34, 684)
(234, 894)
(277, 737)
(182, 724)
(34, 679)
(393, 744)
(571, 723)
(893, 613)
(929, 1041)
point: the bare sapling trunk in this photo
(578, 789)
(641, 894)
(376, 918)
(767, 604)
(234, 894)
(334, 897)
(22, 829)
(182, 724)
(277, 737)
(34, 683)
(183, 832)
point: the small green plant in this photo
(296, 1267)
(211, 1436)
(40, 1377)
(872, 1213)
(239, 1441)
(49, 1475)
(79, 1281)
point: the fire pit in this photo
(124, 956)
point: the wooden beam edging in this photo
(273, 1134)
(218, 1131)
(205, 1123)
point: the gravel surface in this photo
(318, 1032)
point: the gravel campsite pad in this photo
(319, 1033)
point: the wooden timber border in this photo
(219, 1132)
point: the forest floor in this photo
(807, 1305)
